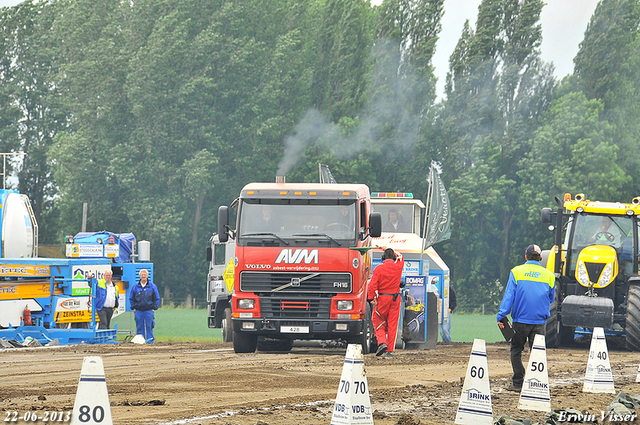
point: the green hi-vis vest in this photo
(535, 273)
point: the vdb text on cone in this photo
(353, 405)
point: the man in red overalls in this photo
(384, 293)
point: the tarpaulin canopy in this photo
(126, 241)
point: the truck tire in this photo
(368, 338)
(633, 318)
(244, 342)
(275, 345)
(227, 328)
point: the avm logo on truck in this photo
(298, 256)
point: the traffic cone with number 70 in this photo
(353, 405)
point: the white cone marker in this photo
(92, 398)
(598, 378)
(535, 388)
(475, 401)
(353, 405)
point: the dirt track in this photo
(165, 383)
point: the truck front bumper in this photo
(299, 329)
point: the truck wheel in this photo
(227, 328)
(244, 343)
(278, 345)
(368, 339)
(632, 328)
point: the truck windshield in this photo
(396, 218)
(601, 229)
(309, 219)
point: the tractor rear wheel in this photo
(632, 328)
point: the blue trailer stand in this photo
(58, 294)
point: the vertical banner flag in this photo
(325, 174)
(439, 220)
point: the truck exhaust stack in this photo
(280, 179)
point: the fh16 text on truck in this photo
(302, 264)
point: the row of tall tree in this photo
(155, 113)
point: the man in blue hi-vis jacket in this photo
(528, 296)
(144, 300)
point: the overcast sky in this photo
(563, 26)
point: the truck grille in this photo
(323, 283)
(295, 307)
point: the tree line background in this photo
(155, 113)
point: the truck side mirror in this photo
(223, 223)
(209, 253)
(546, 215)
(375, 224)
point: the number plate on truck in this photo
(294, 329)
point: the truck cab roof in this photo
(305, 190)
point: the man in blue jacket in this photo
(144, 300)
(106, 299)
(528, 296)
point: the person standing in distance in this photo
(106, 299)
(384, 294)
(445, 328)
(528, 296)
(144, 300)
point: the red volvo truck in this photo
(302, 264)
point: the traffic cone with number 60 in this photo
(475, 401)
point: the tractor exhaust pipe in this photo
(280, 179)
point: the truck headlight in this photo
(246, 304)
(345, 305)
(583, 275)
(605, 276)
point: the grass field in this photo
(176, 325)
(467, 327)
(179, 325)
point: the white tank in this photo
(144, 251)
(19, 232)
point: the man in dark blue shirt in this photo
(144, 300)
